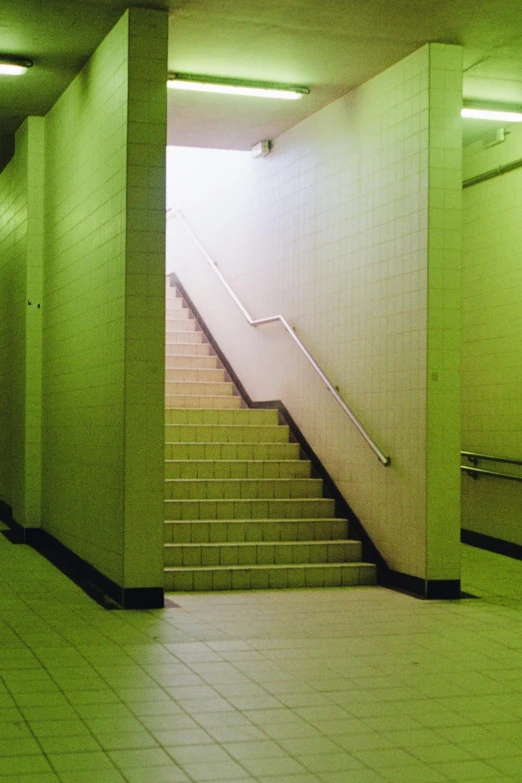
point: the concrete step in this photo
(231, 451)
(226, 433)
(245, 416)
(199, 531)
(236, 469)
(263, 577)
(192, 337)
(248, 508)
(243, 488)
(194, 375)
(199, 388)
(194, 401)
(187, 349)
(193, 362)
(248, 553)
(183, 324)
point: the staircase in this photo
(241, 508)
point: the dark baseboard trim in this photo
(434, 589)
(6, 513)
(98, 586)
(497, 545)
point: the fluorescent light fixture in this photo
(491, 114)
(185, 81)
(13, 66)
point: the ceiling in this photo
(330, 46)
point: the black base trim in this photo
(435, 589)
(98, 586)
(497, 545)
(6, 513)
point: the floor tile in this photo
(316, 686)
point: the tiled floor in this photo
(358, 685)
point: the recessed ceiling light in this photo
(185, 81)
(13, 66)
(491, 114)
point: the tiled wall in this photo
(331, 229)
(103, 329)
(492, 335)
(13, 250)
(21, 245)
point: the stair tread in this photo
(239, 461)
(307, 542)
(256, 520)
(254, 411)
(198, 397)
(275, 427)
(264, 566)
(204, 383)
(246, 478)
(224, 442)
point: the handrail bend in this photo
(274, 318)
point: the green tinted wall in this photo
(13, 247)
(21, 243)
(103, 317)
(492, 336)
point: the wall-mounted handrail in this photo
(273, 319)
(473, 457)
(475, 472)
(496, 172)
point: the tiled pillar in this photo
(103, 332)
(145, 299)
(444, 312)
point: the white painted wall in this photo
(331, 229)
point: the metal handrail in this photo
(472, 456)
(475, 472)
(273, 319)
(496, 172)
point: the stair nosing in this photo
(254, 520)
(249, 478)
(306, 542)
(264, 566)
